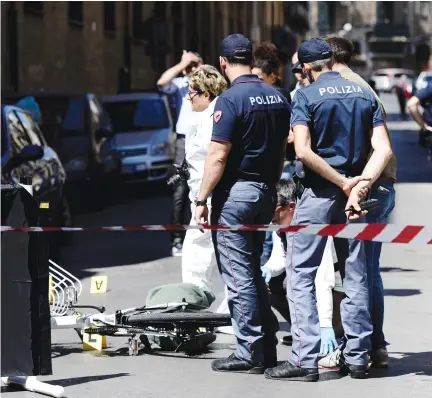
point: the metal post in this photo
(255, 30)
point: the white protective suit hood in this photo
(197, 145)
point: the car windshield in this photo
(137, 115)
(65, 112)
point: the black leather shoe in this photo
(289, 372)
(233, 364)
(355, 371)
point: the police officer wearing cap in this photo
(336, 123)
(243, 165)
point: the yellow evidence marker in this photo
(99, 284)
(51, 290)
(92, 342)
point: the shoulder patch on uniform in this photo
(217, 116)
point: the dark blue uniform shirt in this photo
(254, 117)
(340, 115)
(425, 97)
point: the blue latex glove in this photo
(328, 341)
(266, 273)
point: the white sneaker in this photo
(225, 330)
(177, 250)
(330, 361)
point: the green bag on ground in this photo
(177, 293)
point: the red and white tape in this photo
(386, 233)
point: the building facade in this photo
(105, 47)
(385, 33)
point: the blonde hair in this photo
(208, 79)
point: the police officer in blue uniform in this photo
(243, 165)
(423, 97)
(336, 123)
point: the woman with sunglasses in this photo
(198, 260)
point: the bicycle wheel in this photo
(196, 319)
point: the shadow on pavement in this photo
(402, 292)
(59, 350)
(67, 382)
(417, 363)
(85, 379)
(396, 117)
(413, 165)
(397, 269)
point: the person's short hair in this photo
(266, 58)
(240, 59)
(318, 66)
(342, 48)
(208, 79)
(286, 191)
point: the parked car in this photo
(386, 79)
(25, 153)
(144, 135)
(79, 130)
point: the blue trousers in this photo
(385, 193)
(238, 256)
(304, 255)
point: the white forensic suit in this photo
(198, 257)
(325, 281)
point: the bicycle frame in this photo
(101, 319)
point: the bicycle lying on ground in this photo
(187, 327)
(178, 325)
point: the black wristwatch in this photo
(200, 202)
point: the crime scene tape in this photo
(385, 233)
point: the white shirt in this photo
(325, 280)
(196, 147)
(298, 86)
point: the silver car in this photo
(386, 79)
(144, 135)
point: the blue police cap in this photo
(236, 45)
(314, 50)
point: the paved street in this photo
(137, 261)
